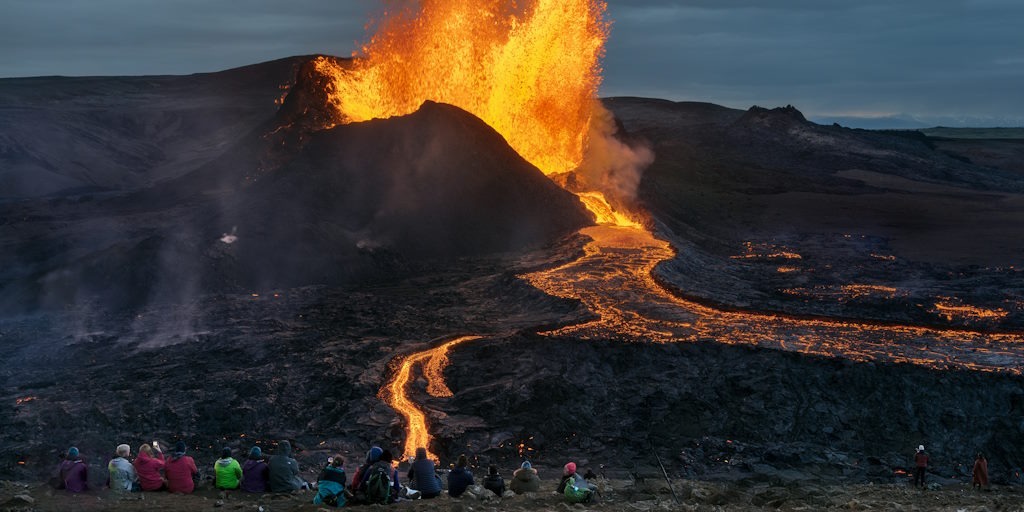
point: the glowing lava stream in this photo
(614, 280)
(433, 361)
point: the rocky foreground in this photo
(615, 495)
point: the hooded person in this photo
(148, 465)
(121, 472)
(374, 478)
(284, 470)
(372, 455)
(227, 471)
(73, 472)
(494, 482)
(423, 476)
(180, 470)
(920, 466)
(255, 474)
(525, 479)
(459, 478)
(330, 487)
(979, 476)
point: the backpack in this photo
(378, 486)
(577, 493)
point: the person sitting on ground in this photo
(380, 481)
(255, 474)
(372, 456)
(920, 466)
(459, 479)
(180, 470)
(331, 484)
(227, 471)
(574, 487)
(423, 477)
(284, 470)
(525, 479)
(979, 477)
(73, 472)
(121, 472)
(148, 466)
(494, 482)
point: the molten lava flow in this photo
(614, 280)
(531, 73)
(434, 361)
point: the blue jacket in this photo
(423, 478)
(331, 483)
(458, 481)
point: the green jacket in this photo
(229, 473)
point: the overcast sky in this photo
(831, 58)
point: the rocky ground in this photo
(616, 495)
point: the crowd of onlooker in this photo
(376, 481)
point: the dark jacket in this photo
(73, 475)
(495, 484)
(422, 475)
(395, 486)
(255, 476)
(921, 459)
(980, 474)
(525, 480)
(459, 479)
(284, 470)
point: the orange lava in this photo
(433, 362)
(530, 70)
(614, 280)
(24, 400)
(952, 309)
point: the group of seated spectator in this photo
(376, 481)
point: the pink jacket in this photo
(148, 468)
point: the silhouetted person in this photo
(979, 477)
(180, 470)
(380, 481)
(73, 472)
(255, 473)
(525, 479)
(494, 482)
(423, 476)
(920, 466)
(459, 479)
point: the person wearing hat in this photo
(525, 479)
(255, 473)
(574, 487)
(227, 471)
(180, 471)
(920, 466)
(372, 456)
(568, 473)
(73, 472)
(494, 482)
(121, 472)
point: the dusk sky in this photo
(941, 61)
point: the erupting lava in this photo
(531, 72)
(433, 362)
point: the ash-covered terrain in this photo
(182, 259)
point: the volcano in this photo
(269, 275)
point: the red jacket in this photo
(179, 473)
(148, 468)
(921, 460)
(980, 474)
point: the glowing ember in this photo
(434, 361)
(764, 251)
(953, 309)
(24, 400)
(532, 74)
(787, 270)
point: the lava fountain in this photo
(530, 71)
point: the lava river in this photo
(614, 280)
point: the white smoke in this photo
(609, 164)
